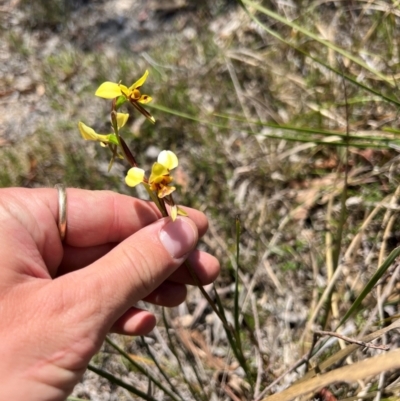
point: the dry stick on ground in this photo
(334, 358)
(351, 340)
(272, 276)
(228, 391)
(336, 252)
(351, 250)
(360, 370)
(270, 246)
(342, 354)
(314, 264)
(239, 92)
(330, 265)
(257, 335)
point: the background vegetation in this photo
(284, 115)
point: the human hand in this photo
(59, 300)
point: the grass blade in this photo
(160, 369)
(332, 138)
(319, 61)
(141, 369)
(234, 341)
(311, 35)
(120, 383)
(374, 279)
(192, 390)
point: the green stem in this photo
(159, 202)
(116, 131)
(120, 383)
(160, 368)
(175, 353)
(140, 368)
(186, 263)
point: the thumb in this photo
(134, 269)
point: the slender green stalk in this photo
(120, 383)
(358, 141)
(312, 131)
(200, 381)
(206, 296)
(370, 285)
(232, 334)
(141, 369)
(158, 202)
(175, 353)
(160, 369)
(116, 132)
(234, 342)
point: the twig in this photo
(351, 340)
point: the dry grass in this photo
(207, 62)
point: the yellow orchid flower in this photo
(159, 180)
(159, 177)
(112, 90)
(160, 174)
(89, 134)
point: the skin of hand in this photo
(59, 300)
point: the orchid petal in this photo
(125, 91)
(181, 212)
(174, 212)
(158, 173)
(89, 134)
(165, 191)
(139, 82)
(122, 118)
(168, 159)
(145, 99)
(109, 90)
(134, 176)
(143, 111)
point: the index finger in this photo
(101, 217)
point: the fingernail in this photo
(178, 237)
